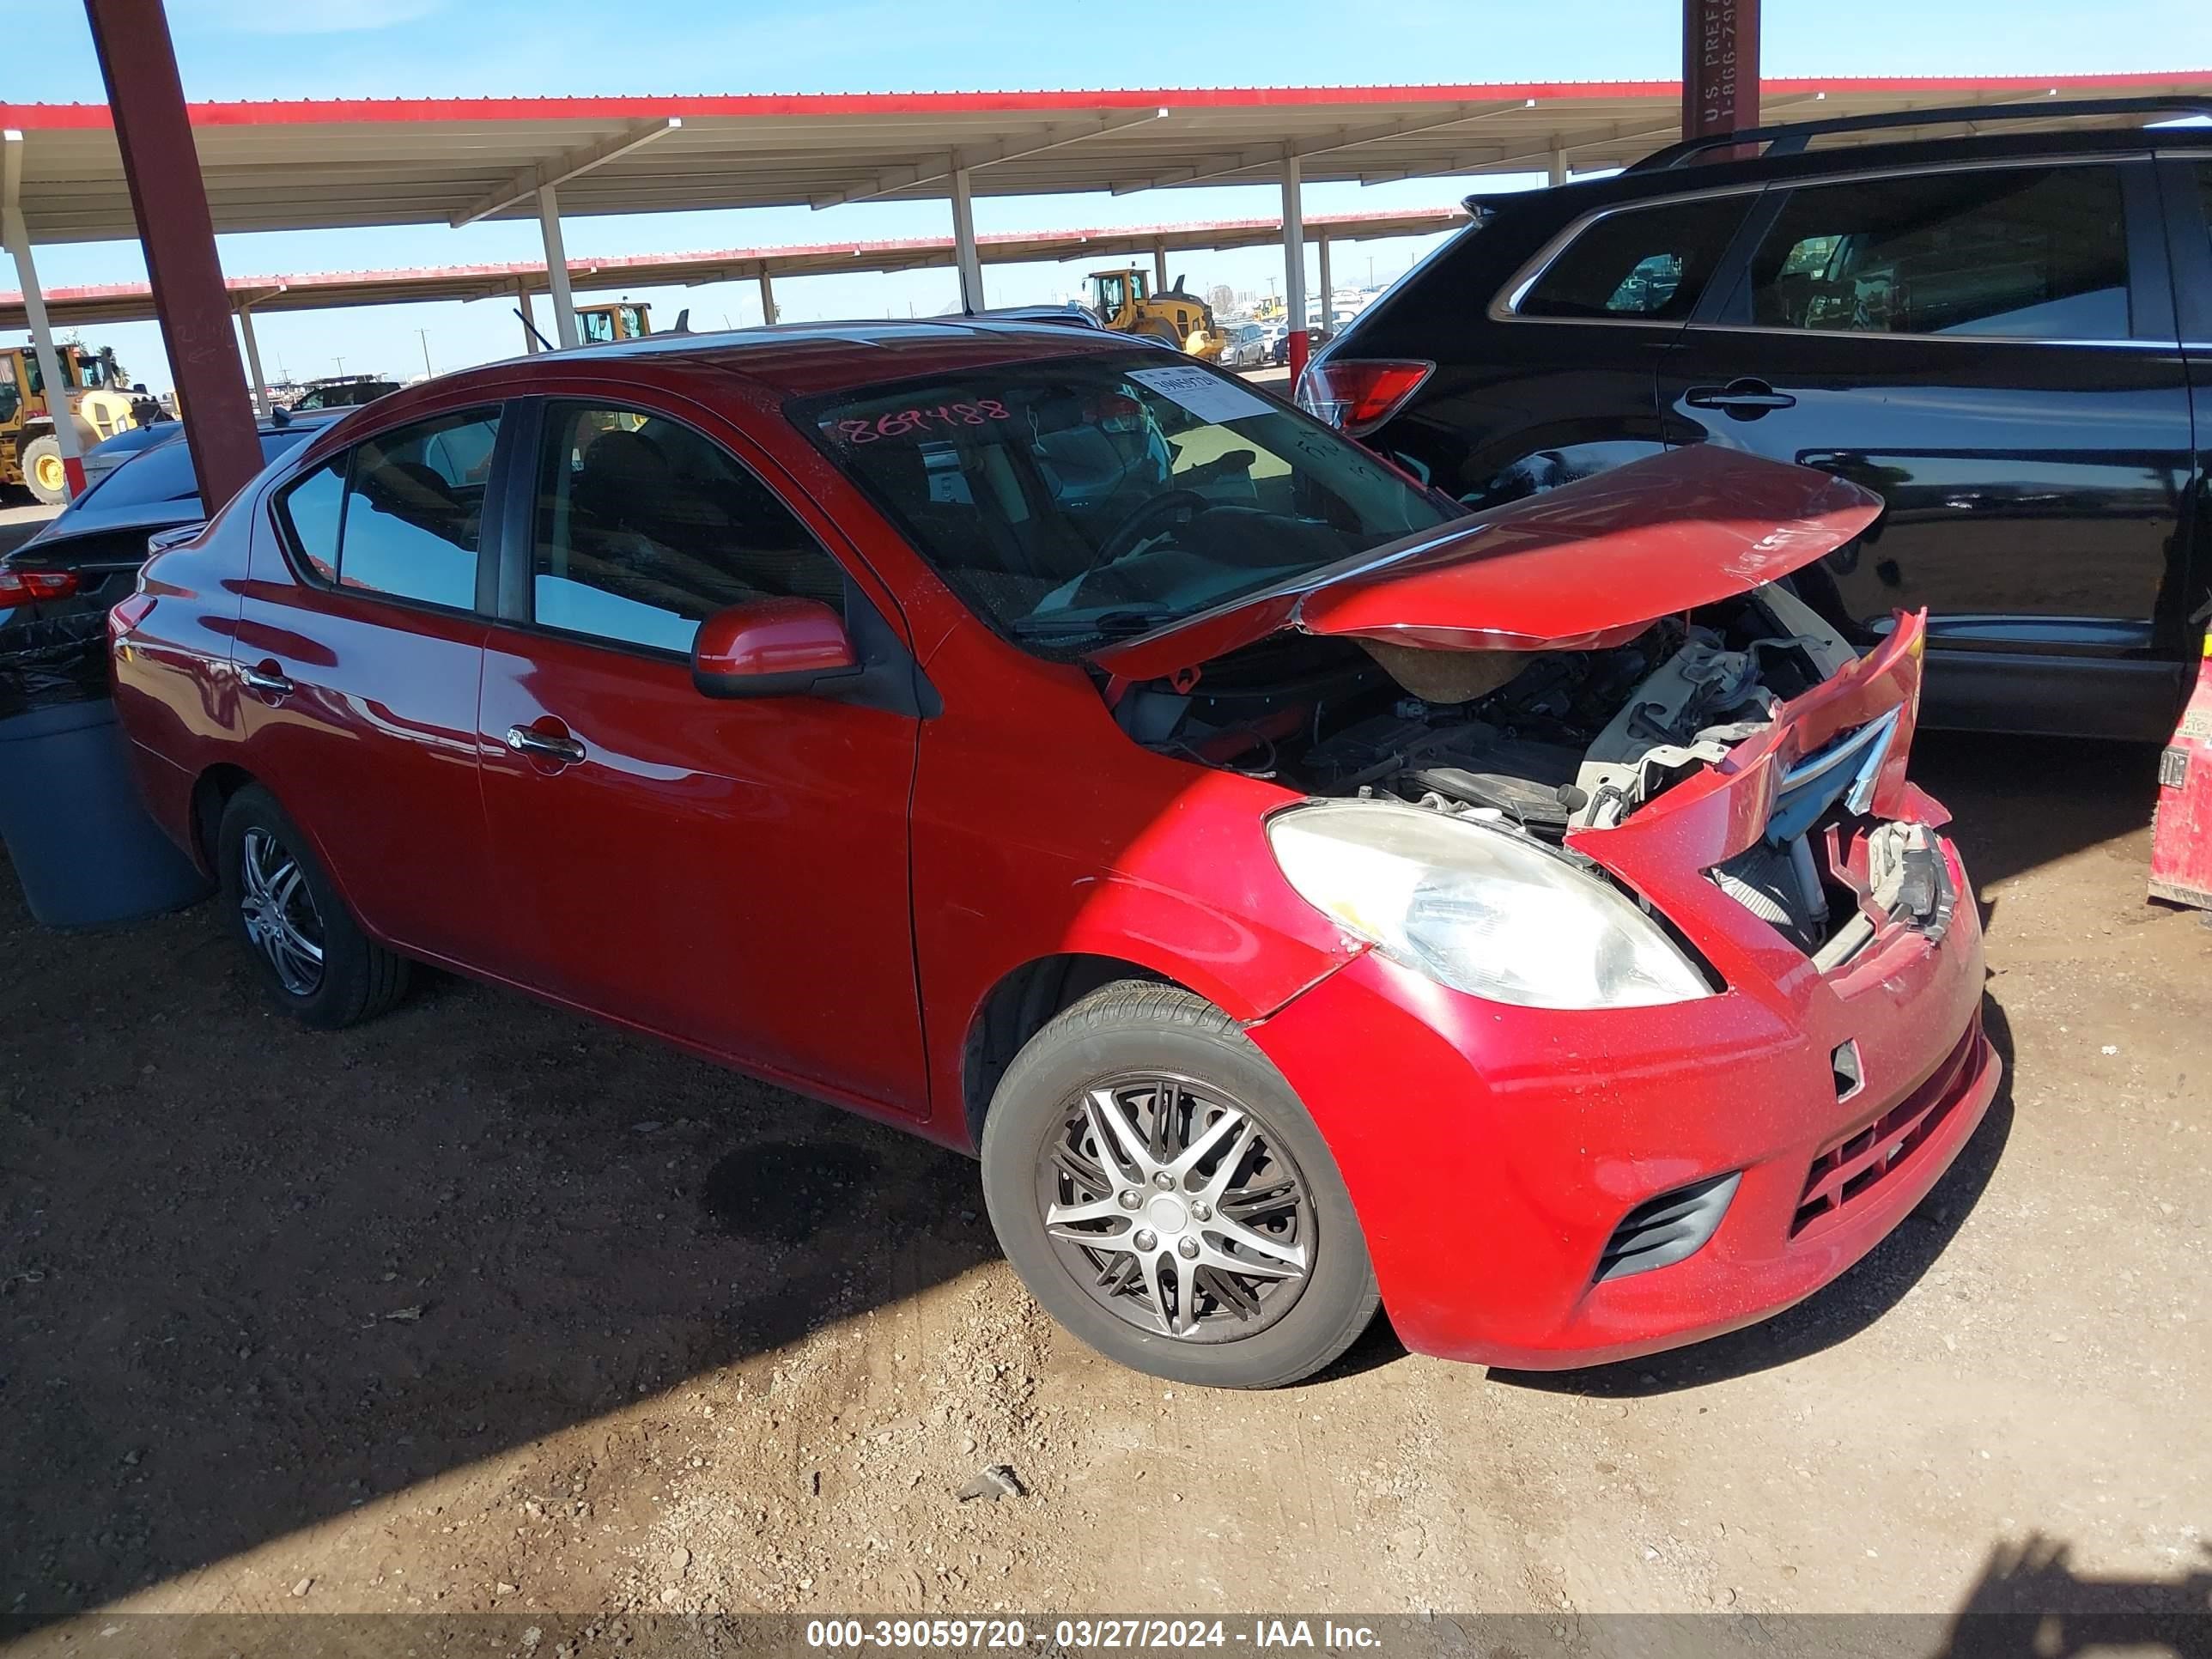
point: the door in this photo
(729, 873)
(1993, 350)
(358, 651)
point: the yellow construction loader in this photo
(97, 404)
(1121, 300)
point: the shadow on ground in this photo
(252, 1276)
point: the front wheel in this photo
(44, 472)
(1159, 1189)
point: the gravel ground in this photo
(484, 1308)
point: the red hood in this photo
(1584, 566)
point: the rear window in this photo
(163, 471)
(1074, 500)
(1648, 263)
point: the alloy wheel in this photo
(1177, 1208)
(282, 921)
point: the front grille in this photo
(1665, 1229)
(1856, 1164)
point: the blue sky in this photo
(233, 49)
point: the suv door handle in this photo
(544, 745)
(1744, 397)
(266, 679)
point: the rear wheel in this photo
(317, 962)
(44, 472)
(1161, 1191)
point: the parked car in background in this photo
(344, 391)
(87, 556)
(1279, 350)
(1245, 348)
(1995, 333)
(104, 457)
(1070, 754)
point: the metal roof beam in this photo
(1274, 155)
(525, 184)
(891, 181)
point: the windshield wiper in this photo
(1107, 624)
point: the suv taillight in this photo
(29, 586)
(1355, 395)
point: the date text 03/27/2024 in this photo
(1258, 1635)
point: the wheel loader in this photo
(1121, 300)
(98, 401)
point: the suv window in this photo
(645, 527)
(1648, 263)
(400, 512)
(2026, 252)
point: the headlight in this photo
(1479, 909)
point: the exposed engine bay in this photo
(1547, 743)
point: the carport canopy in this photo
(319, 164)
(132, 301)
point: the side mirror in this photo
(773, 649)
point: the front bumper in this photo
(1491, 1150)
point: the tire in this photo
(43, 456)
(1140, 1043)
(288, 901)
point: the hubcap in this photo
(49, 472)
(1177, 1209)
(280, 919)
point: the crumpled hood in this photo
(1585, 567)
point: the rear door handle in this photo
(267, 680)
(1745, 398)
(543, 744)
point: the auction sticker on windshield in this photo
(1204, 394)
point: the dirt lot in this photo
(484, 1308)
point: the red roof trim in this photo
(379, 110)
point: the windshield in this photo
(1076, 501)
(162, 471)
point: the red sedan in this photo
(1299, 893)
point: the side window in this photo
(645, 527)
(595, 327)
(310, 508)
(401, 513)
(414, 508)
(2026, 252)
(1649, 263)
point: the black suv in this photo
(2008, 335)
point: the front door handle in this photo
(266, 679)
(1745, 398)
(544, 745)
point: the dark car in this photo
(87, 554)
(1994, 332)
(344, 391)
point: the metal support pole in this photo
(1328, 288)
(154, 130)
(964, 256)
(1719, 67)
(556, 268)
(1560, 170)
(1294, 265)
(768, 297)
(1159, 268)
(18, 238)
(526, 303)
(257, 387)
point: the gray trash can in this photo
(82, 845)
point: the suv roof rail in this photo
(1789, 138)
